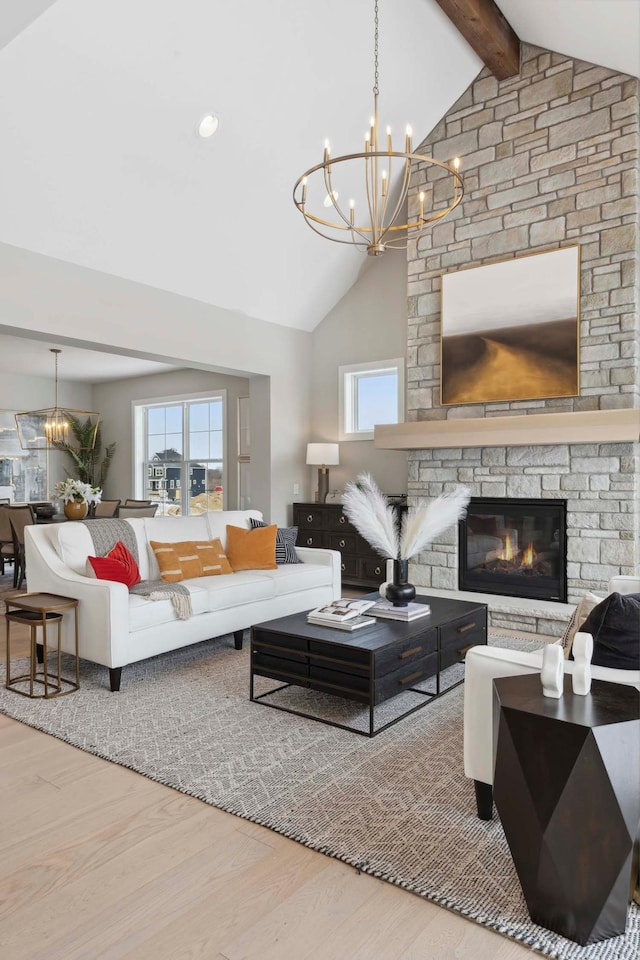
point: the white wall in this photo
(20, 392)
(41, 297)
(369, 323)
(114, 400)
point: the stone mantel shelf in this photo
(593, 426)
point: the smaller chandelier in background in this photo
(49, 428)
(380, 226)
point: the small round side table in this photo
(38, 611)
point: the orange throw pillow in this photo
(252, 549)
(177, 561)
(212, 558)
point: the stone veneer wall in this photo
(549, 157)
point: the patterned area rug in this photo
(397, 806)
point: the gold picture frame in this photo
(510, 329)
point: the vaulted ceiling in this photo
(101, 164)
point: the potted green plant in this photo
(89, 462)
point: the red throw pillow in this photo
(118, 565)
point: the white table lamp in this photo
(322, 455)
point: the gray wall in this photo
(114, 402)
(369, 323)
(42, 296)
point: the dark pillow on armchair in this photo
(615, 627)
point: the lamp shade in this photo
(322, 454)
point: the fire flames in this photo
(508, 552)
(527, 557)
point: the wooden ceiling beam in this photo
(485, 28)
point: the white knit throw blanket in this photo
(106, 533)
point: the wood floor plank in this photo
(106, 875)
(449, 935)
(324, 901)
(109, 933)
(225, 906)
(382, 927)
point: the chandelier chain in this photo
(375, 47)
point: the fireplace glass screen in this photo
(514, 547)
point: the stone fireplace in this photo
(549, 157)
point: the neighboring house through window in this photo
(180, 447)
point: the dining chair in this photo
(106, 508)
(7, 554)
(137, 503)
(19, 517)
(128, 513)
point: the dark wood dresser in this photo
(325, 525)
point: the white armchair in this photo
(482, 666)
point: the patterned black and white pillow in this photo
(285, 542)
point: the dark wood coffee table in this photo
(372, 664)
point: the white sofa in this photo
(482, 666)
(117, 628)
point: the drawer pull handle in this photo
(342, 520)
(466, 627)
(411, 678)
(309, 541)
(377, 571)
(343, 566)
(309, 518)
(342, 543)
(410, 653)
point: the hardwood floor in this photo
(99, 862)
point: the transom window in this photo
(180, 448)
(370, 394)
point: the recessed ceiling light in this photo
(328, 202)
(208, 125)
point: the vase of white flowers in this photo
(376, 520)
(77, 497)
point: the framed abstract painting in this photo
(23, 473)
(511, 329)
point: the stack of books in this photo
(343, 614)
(413, 611)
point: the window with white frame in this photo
(370, 394)
(180, 453)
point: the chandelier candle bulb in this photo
(389, 145)
(422, 206)
(304, 189)
(384, 183)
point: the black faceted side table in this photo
(567, 788)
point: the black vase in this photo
(400, 592)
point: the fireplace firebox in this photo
(514, 547)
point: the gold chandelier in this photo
(380, 229)
(47, 428)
